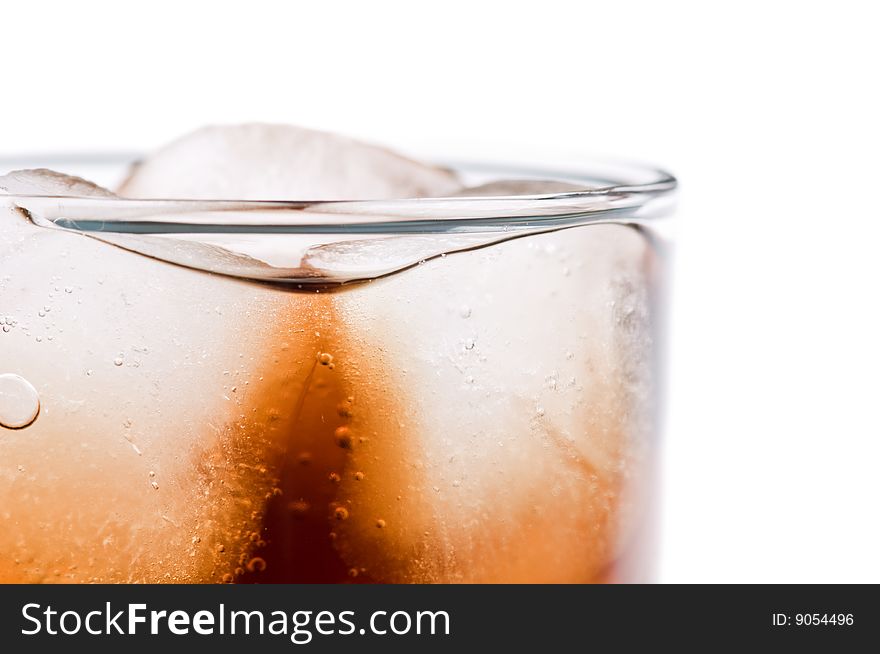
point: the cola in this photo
(460, 387)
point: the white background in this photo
(766, 111)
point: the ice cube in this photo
(281, 162)
(42, 181)
(500, 415)
(519, 187)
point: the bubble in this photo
(469, 344)
(464, 311)
(358, 476)
(6, 328)
(325, 358)
(256, 564)
(226, 579)
(343, 437)
(334, 477)
(344, 410)
(19, 402)
(380, 524)
(152, 474)
(540, 411)
(68, 289)
(353, 572)
(340, 513)
(155, 485)
(117, 361)
(239, 571)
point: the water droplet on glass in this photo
(343, 437)
(19, 402)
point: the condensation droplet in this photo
(19, 402)
(343, 437)
(256, 564)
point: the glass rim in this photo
(613, 192)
